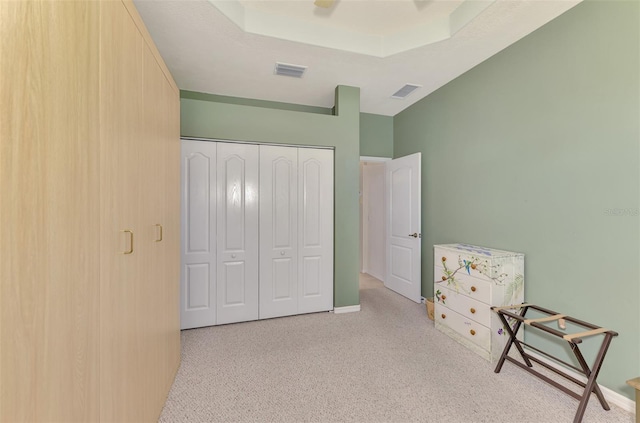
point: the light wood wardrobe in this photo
(89, 215)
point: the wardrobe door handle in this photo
(159, 226)
(130, 232)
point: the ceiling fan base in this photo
(326, 4)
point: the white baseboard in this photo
(347, 309)
(610, 395)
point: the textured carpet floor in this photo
(386, 363)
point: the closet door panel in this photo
(198, 286)
(123, 337)
(315, 211)
(170, 232)
(49, 208)
(237, 233)
(278, 231)
(152, 311)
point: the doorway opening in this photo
(372, 216)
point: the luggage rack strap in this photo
(571, 336)
(545, 319)
(507, 307)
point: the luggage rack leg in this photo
(591, 386)
(512, 338)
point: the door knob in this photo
(415, 234)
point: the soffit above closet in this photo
(220, 46)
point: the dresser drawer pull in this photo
(473, 289)
(472, 310)
(444, 278)
(444, 316)
(444, 259)
(444, 297)
(472, 332)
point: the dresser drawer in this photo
(471, 264)
(470, 308)
(463, 283)
(467, 328)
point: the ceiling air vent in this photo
(405, 91)
(286, 69)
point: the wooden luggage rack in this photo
(573, 340)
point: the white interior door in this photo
(198, 252)
(237, 233)
(403, 245)
(278, 231)
(315, 235)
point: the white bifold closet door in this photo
(296, 231)
(237, 276)
(278, 231)
(315, 237)
(197, 290)
(257, 232)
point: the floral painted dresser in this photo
(468, 281)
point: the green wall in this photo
(536, 150)
(376, 135)
(206, 116)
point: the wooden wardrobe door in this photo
(315, 234)
(49, 211)
(278, 231)
(171, 232)
(123, 331)
(237, 233)
(153, 310)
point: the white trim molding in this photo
(346, 309)
(374, 159)
(610, 395)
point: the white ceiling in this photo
(207, 51)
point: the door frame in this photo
(276, 144)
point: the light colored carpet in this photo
(386, 363)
